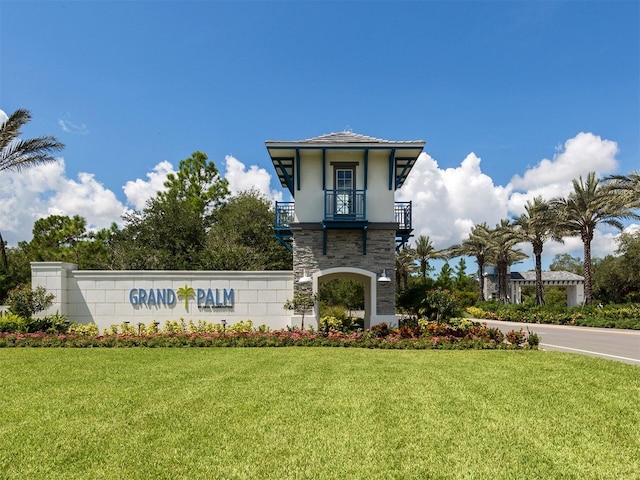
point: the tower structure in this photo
(344, 221)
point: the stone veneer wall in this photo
(344, 249)
(102, 297)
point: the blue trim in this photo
(324, 239)
(297, 168)
(366, 168)
(364, 240)
(324, 169)
(392, 161)
(400, 178)
(283, 171)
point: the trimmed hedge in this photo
(625, 316)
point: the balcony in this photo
(343, 209)
(345, 206)
(402, 216)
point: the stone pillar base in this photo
(391, 320)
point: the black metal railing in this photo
(345, 205)
(285, 214)
(402, 215)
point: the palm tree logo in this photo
(186, 292)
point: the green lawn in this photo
(278, 413)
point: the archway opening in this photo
(343, 299)
(349, 288)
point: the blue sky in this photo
(514, 98)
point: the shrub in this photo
(441, 305)
(26, 301)
(11, 323)
(90, 329)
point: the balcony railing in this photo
(285, 214)
(402, 215)
(345, 205)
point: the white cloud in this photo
(580, 155)
(242, 179)
(447, 203)
(70, 127)
(3, 117)
(139, 191)
(44, 190)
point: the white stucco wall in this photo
(310, 198)
(104, 297)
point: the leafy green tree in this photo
(425, 251)
(197, 185)
(18, 272)
(587, 206)
(17, 154)
(343, 292)
(26, 301)
(171, 232)
(462, 282)
(303, 301)
(567, 263)
(444, 279)
(56, 238)
(538, 225)
(65, 239)
(243, 237)
(616, 278)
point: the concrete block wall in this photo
(103, 297)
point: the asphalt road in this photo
(611, 343)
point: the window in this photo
(345, 190)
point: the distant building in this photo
(573, 283)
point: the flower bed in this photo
(430, 336)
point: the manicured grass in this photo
(315, 413)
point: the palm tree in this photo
(479, 246)
(425, 252)
(405, 265)
(504, 238)
(588, 205)
(626, 186)
(537, 225)
(16, 154)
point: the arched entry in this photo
(367, 278)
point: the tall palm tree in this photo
(479, 246)
(536, 226)
(504, 254)
(425, 251)
(17, 154)
(588, 205)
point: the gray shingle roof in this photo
(347, 137)
(556, 277)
